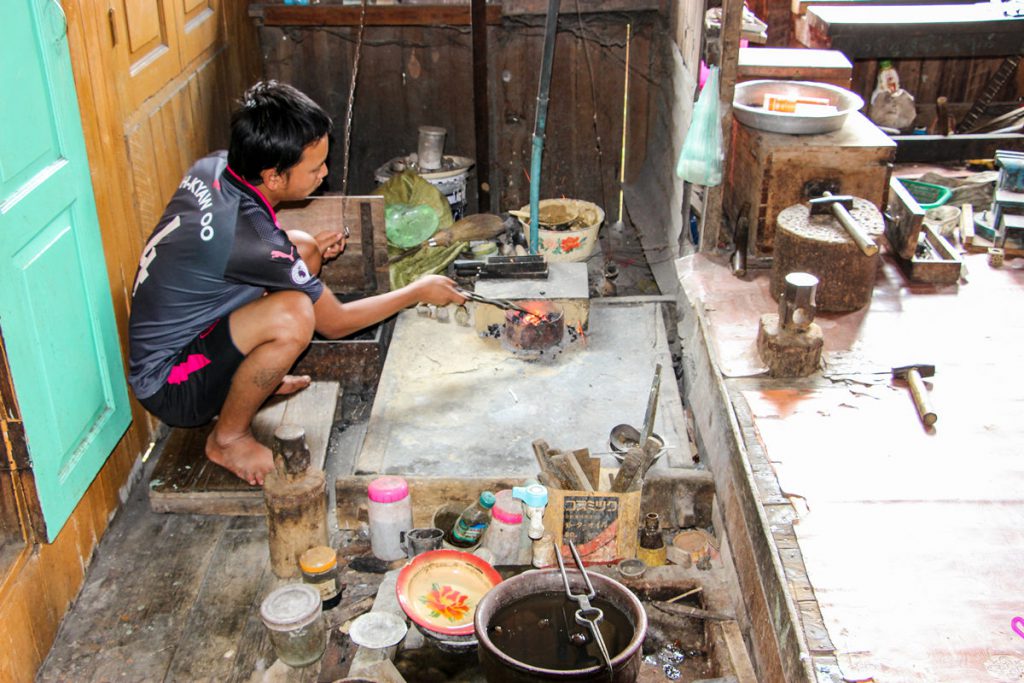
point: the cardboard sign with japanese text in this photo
(603, 525)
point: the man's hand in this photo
(331, 243)
(437, 290)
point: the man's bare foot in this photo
(292, 383)
(242, 455)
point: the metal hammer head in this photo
(923, 370)
(824, 204)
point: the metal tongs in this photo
(587, 615)
(500, 303)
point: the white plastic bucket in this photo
(451, 183)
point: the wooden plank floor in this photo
(176, 597)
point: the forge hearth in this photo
(565, 287)
(541, 329)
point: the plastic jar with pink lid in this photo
(502, 535)
(390, 511)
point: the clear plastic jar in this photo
(319, 567)
(295, 623)
(390, 511)
(502, 534)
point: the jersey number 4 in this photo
(149, 253)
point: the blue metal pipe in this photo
(540, 121)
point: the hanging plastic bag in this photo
(700, 161)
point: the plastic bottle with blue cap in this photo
(535, 499)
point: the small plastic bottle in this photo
(390, 511)
(502, 536)
(652, 546)
(470, 525)
(319, 567)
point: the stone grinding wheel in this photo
(819, 245)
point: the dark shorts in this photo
(199, 381)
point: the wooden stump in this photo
(819, 245)
(788, 353)
(296, 518)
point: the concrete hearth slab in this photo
(451, 403)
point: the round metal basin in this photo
(749, 97)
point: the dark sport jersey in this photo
(216, 248)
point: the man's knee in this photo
(291, 318)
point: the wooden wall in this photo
(138, 149)
(422, 75)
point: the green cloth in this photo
(423, 261)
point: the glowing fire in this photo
(539, 311)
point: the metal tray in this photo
(749, 95)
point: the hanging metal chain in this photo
(351, 100)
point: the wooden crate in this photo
(794, 64)
(768, 172)
(942, 264)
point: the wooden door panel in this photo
(200, 27)
(150, 49)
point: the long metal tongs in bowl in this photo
(587, 615)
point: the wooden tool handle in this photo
(921, 400)
(863, 240)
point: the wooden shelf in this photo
(376, 15)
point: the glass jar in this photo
(295, 623)
(390, 512)
(319, 567)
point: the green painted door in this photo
(55, 308)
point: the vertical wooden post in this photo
(732, 25)
(481, 106)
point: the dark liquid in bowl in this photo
(541, 631)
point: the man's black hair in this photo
(274, 123)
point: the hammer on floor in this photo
(839, 206)
(914, 375)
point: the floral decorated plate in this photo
(440, 589)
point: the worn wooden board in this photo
(209, 641)
(185, 481)
(918, 31)
(681, 497)
(130, 629)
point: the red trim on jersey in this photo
(259, 194)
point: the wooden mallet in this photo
(914, 375)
